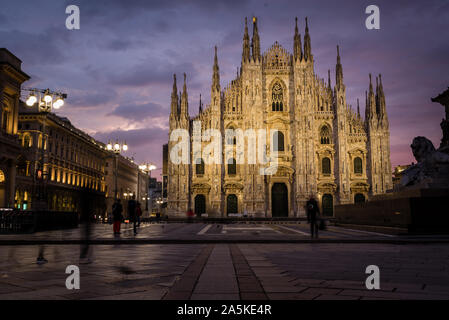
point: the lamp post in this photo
(147, 168)
(116, 148)
(47, 100)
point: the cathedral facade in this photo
(322, 147)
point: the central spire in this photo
(216, 74)
(255, 41)
(339, 71)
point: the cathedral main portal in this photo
(279, 200)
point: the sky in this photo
(117, 69)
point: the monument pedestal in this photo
(417, 210)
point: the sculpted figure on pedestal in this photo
(432, 165)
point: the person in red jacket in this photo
(190, 215)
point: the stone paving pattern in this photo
(225, 271)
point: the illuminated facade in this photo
(11, 79)
(324, 148)
(74, 163)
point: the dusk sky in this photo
(117, 69)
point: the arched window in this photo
(277, 97)
(278, 140)
(199, 167)
(359, 197)
(326, 166)
(232, 166)
(358, 168)
(325, 135)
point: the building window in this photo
(278, 140)
(326, 166)
(232, 167)
(26, 141)
(325, 135)
(199, 167)
(277, 97)
(5, 120)
(358, 168)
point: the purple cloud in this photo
(125, 53)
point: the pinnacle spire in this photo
(184, 98)
(329, 78)
(246, 49)
(255, 43)
(174, 97)
(370, 111)
(216, 73)
(339, 70)
(201, 105)
(358, 109)
(297, 47)
(381, 98)
(307, 44)
(377, 97)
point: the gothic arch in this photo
(278, 95)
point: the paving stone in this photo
(336, 297)
(322, 291)
(215, 296)
(291, 296)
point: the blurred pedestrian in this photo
(132, 212)
(190, 215)
(86, 218)
(117, 216)
(40, 257)
(138, 213)
(312, 216)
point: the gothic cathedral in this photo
(324, 148)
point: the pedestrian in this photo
(138, 213)
(132, 212)
(117, 216)
(86, 218)
(40, 256)
(190, 215)
(312, 216)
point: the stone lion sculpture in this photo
(432, 166)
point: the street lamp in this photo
(147, 168)
(116, 148)
(47, 99)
